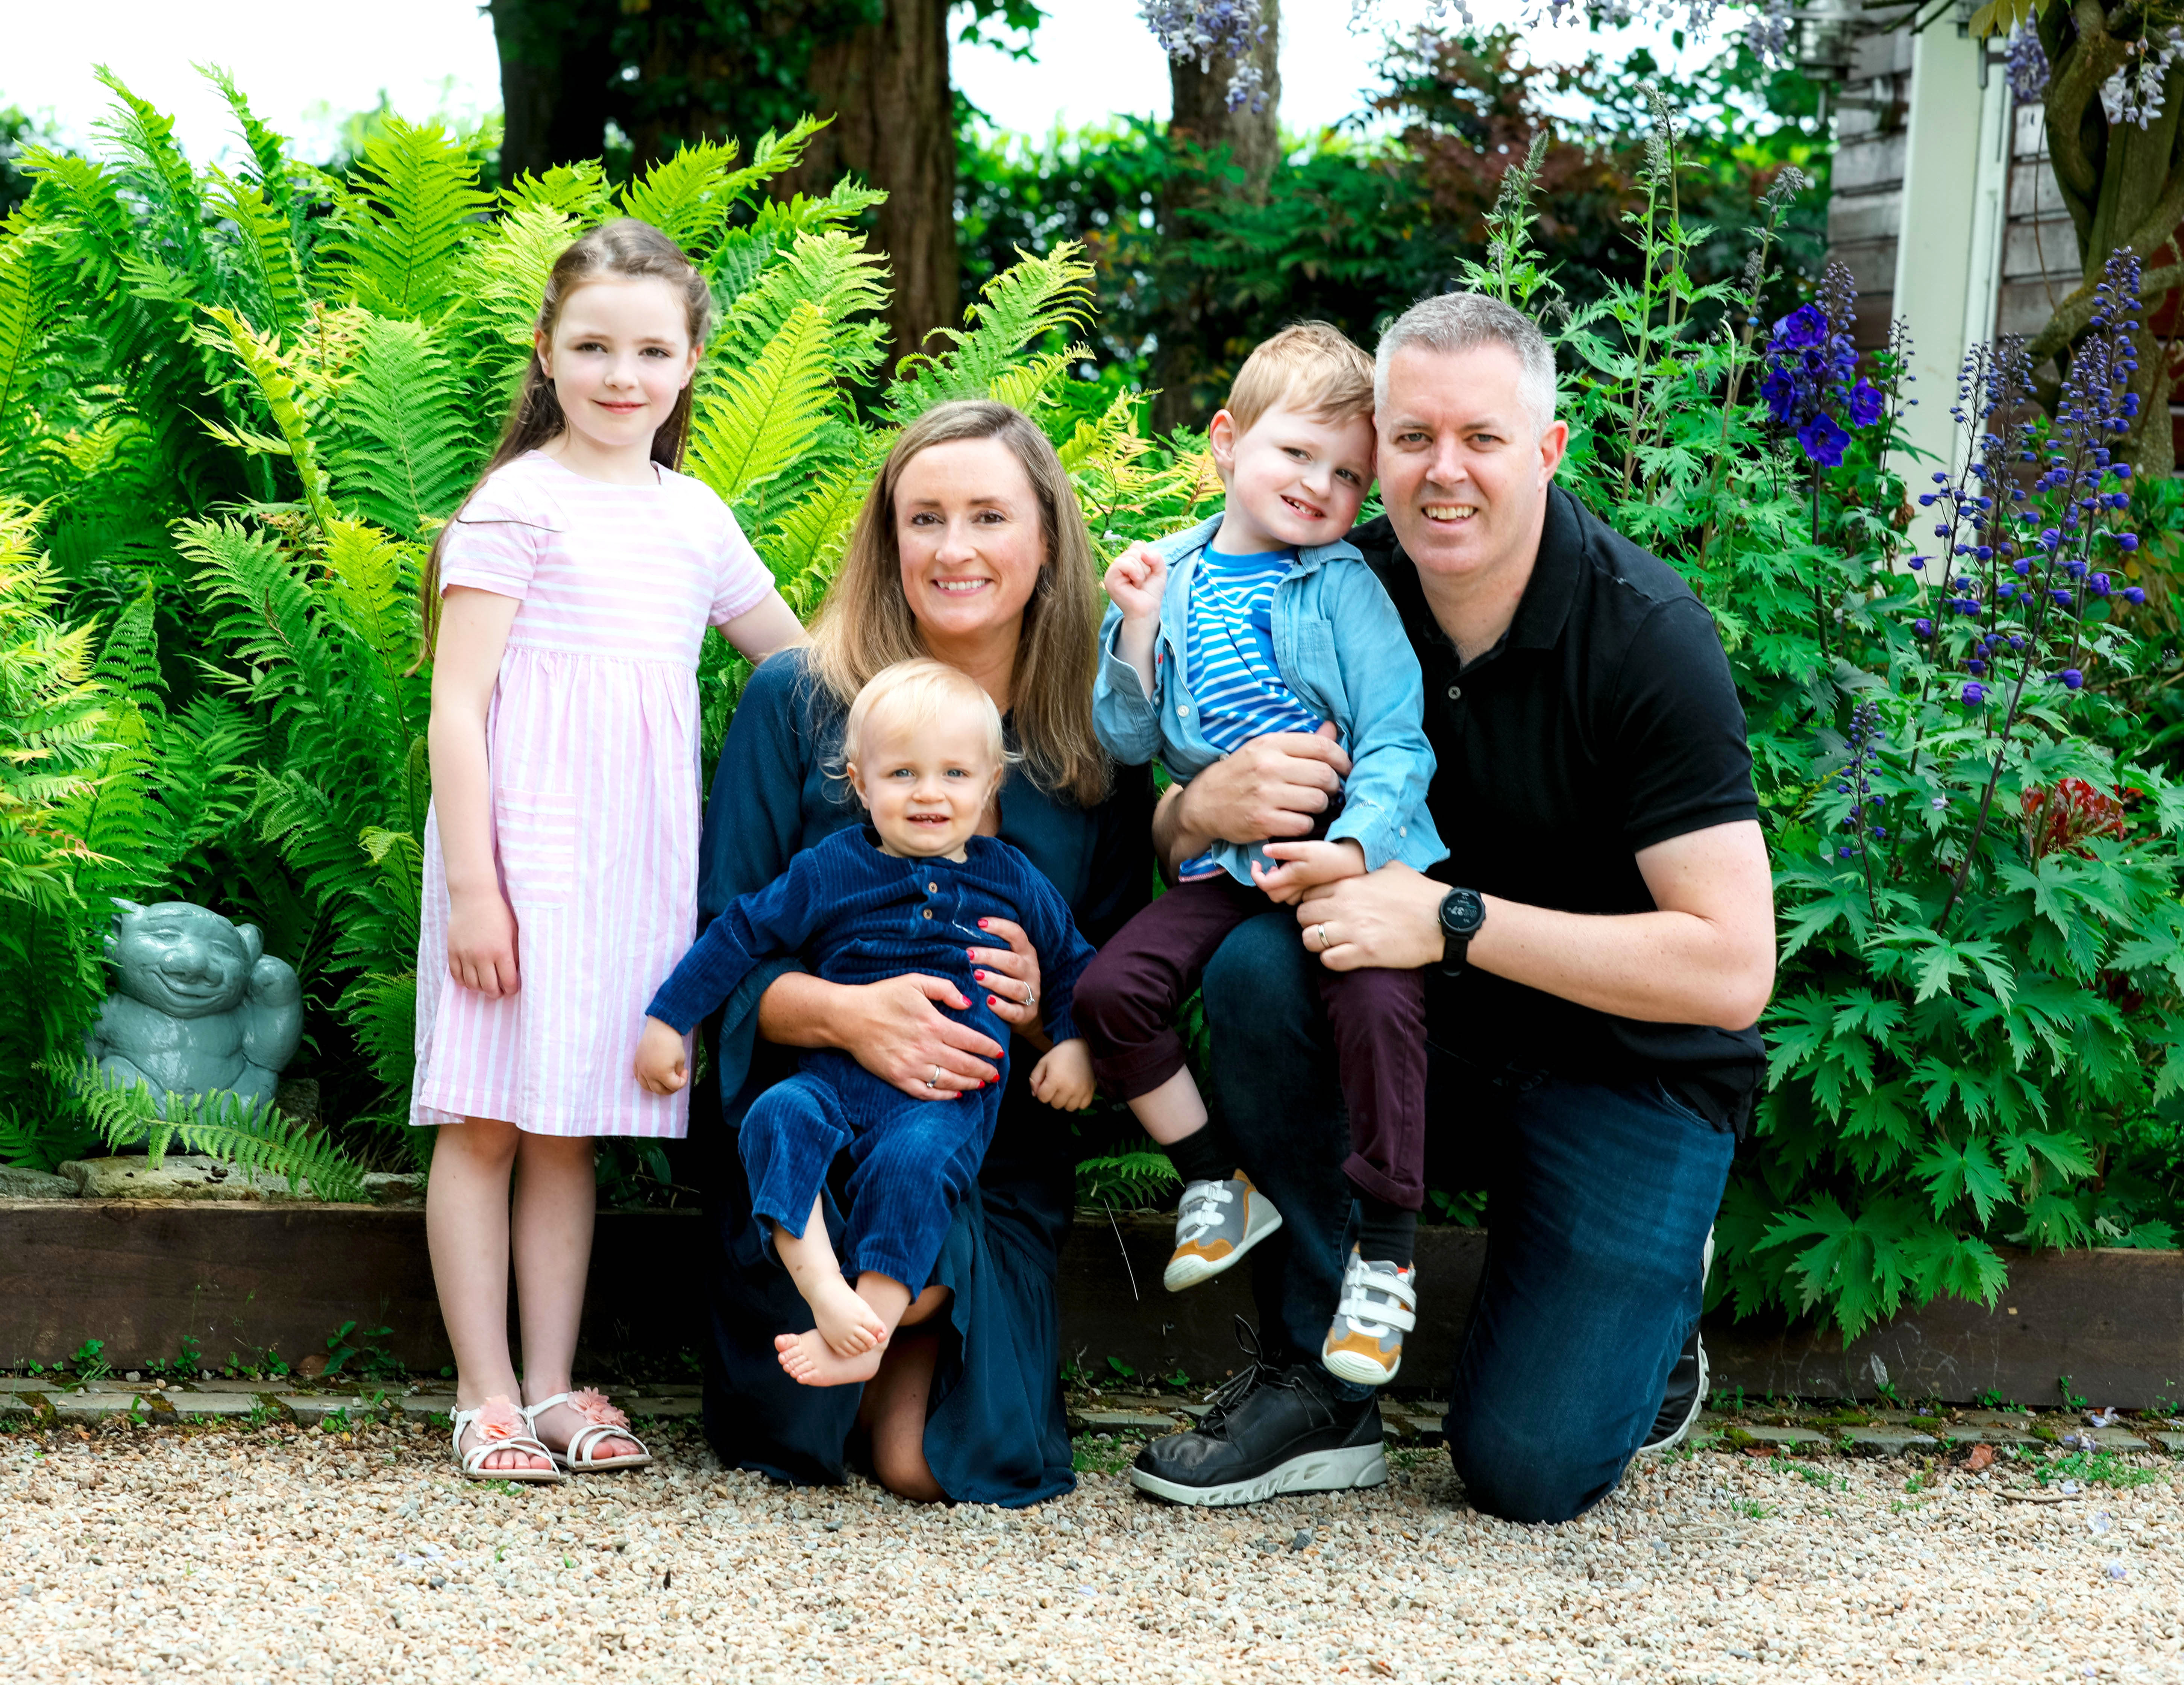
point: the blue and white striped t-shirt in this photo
(1229, 657)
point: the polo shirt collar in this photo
(1544, 607)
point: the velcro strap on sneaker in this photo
(1378, 1296)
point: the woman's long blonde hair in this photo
(626, 249)
(865, 624)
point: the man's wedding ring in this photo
(1320, 930)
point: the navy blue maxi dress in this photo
(995, 1431)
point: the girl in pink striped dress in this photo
(569, 593)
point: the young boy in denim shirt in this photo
(1264, 620)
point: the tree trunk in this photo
(886, 86)
(1192, 377)
(554, 65)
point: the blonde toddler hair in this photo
(917, 693)
(1311, 366)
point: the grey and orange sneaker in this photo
(1379, 1305)
(1217, 1224)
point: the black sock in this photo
(1205, 1155)
(1386, 1233)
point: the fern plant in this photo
(243, 401)
(259, 1140)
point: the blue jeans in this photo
(1599, 1198)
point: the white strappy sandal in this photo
(602, 1420)
(500, 1429)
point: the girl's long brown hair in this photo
(624, 249)
(865, 624)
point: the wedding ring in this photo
(1031, 997)
(1321, 930)
(933, 1081)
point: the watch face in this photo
(1462, 911)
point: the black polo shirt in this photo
(1604, 721)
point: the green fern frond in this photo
(382, 1008)
(1134, 1177)
(27, 297)
(52, 718)
(277, 388)
(269, 150)
(685, 196)
(128, 665)
(404, 218)
(271, 290)
(1020, 305)
(806, 544)
(832, 272)
(503, 278)
(691, 195)
(153, 167)
(574, 190)
(259, 1140)
(758, 418)
(406, 454)
(1030, 386)
(206, 755)
(51, 1138)
(841, 206)
(373, 588)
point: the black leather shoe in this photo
(1268, 1433)
(1685, 1397)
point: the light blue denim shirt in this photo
(1341, 648)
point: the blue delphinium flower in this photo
(1811, 385)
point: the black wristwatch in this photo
(1461, 914)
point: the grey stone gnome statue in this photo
(199, 1007)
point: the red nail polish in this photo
(984, 924)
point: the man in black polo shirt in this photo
(1598, 945)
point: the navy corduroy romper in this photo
(856, 914)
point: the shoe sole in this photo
(1191, 1271)
(1342, 1471)
(1359, 1371)
(1698, 1404)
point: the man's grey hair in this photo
(1451, 322)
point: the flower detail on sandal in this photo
(497, 1418)
(591, 1405)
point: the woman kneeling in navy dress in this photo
(970, 549)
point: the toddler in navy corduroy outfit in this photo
(924, 749)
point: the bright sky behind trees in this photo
(306, 64)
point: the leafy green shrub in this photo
(1194, 270)
(1976, 1017)
(235, 409)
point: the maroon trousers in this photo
(1127, 1000)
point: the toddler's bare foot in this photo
(809, 1360)
(849, 1325)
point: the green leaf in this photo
(759, 420)
(403, 219)
(1969, 1171)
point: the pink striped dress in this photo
(593, 740)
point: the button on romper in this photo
(592, 744)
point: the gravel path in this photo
(284, 1553)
